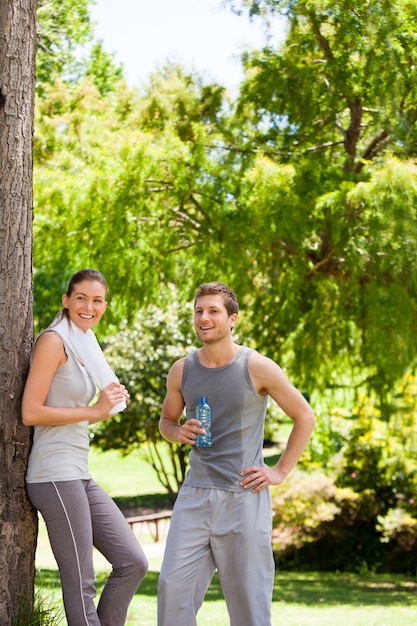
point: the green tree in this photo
(101, 66)
(143, 165)
(61, 28)
(317, 124)
(297, 199)
(343, 83)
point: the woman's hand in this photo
(126, 394)
(111, 395)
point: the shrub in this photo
(361, 514)
(320, 526)
(398, 531)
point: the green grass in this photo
(300, 599)
(308, 599)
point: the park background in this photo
(299, 190)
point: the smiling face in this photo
(211, 320)
(86, 303)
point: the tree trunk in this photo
(17, 518)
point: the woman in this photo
(77, 512)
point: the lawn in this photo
(300, 599)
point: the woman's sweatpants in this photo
(79, 514)
(230, 531)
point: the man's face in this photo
(211, 320)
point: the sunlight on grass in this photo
(307, 599)
(123, 476)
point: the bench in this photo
(152, 519)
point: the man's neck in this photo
(217, 354)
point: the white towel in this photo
(87, 350)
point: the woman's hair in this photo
(86, 274)
(79, 277)
(230, 300)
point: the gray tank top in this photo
(61, 452)
(238, 414)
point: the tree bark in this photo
(17, 518)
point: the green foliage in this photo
(181, 101)
(62, 26)
(301, 506)
(398, 529)
(142, 216)
(101, 67)
(331, 104)
(396, 523)
(331, 432)
(343, 82)
(380, 452)
(320, 526)
(362, 512)
(328, 288)
(76, 132)
(169, 186)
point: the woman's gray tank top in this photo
(61, 452)
(238, 416)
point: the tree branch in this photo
(373, 148)
(322, 41)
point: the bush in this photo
(361, 513)
(319, 526)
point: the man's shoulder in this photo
(256, 359)
(254, 355)
(178, 365)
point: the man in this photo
(222, 517)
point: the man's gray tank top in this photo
(238, 416)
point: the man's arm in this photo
(173, 408)
(268, 378)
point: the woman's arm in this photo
(48, 356)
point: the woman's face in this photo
(86, 304)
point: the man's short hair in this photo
(230, 300)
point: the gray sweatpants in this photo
(213, 528)
(79, 514)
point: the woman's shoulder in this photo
(50, 343)
(49, 337)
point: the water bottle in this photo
(203, 413)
